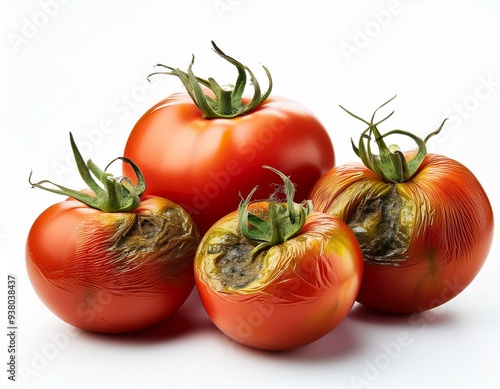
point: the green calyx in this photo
(284, 219)
(118, 194)
(390, 164)
(227, 102)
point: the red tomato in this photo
(203, 163)
(424, 238)
(111, 271)
(288, 294)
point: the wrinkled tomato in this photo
(272, 283)
(115, 271)
(423, 221)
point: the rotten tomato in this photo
(277, 275)
(108, 260)
(423, 221)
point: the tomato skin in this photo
(450, 238)
(107, 272)
(306, 287)
(202, 164)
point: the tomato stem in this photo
(226, 101)
(284, 219)
(225, 106)
(390, 164)
(118, 195)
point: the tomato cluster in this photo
(276, 273)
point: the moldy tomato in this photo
(111, 262)
(423, 221)
(202, 147)
(276, 275)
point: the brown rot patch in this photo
(152, 230)
(381, 228)
(236, 267)
(167, 239)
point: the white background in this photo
(81, 66)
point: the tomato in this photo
(272, 283)
(425, 236)
(112, 271)
(201, 156)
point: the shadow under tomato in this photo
(435, 317)
(347, 339)
(337, 344)
(188, 319)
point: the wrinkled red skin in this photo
(307, 287)
(79, 272)
(450, 241)
(203, 164)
